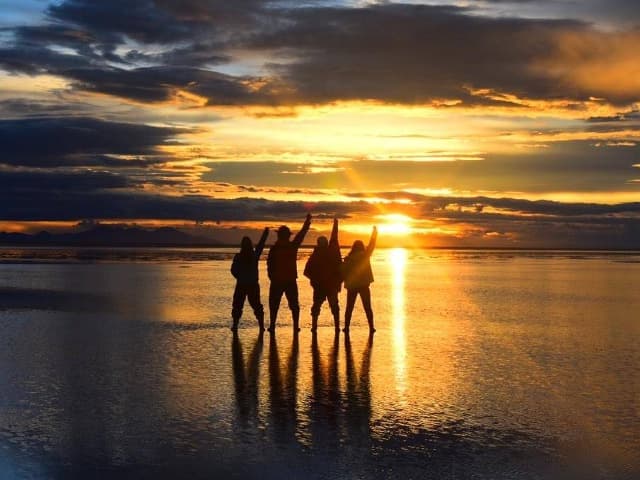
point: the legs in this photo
(290, 290)
(275, 295)
(332, 298)
(365, 296)
(253, 295)
(319, 296)
(348, 311)
(238, 302)
(318, 299)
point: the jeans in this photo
(290, 290)
(251, 292)
(365, 296)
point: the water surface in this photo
(485, 365)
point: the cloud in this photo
(575, 166)
(159, 84)
(325, 53)
(141, 20)
(56, 184)
(65, 141)
(512, 222)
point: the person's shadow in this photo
(283, 392)
(358, 395)
(326, 401)
(246, 380)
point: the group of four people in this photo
(325, 269)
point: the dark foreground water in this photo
(486, 365)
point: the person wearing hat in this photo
(283, 272)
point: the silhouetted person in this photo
(323, 269)
(245, 269)
(357, 274)
(283, 272)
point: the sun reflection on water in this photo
(397, 264)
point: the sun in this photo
(395, 224)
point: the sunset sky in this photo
(447, 123)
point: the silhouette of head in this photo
(357, 246)
(283, 233)
(322, 242)
(246, 245)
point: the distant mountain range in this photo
(110, 235)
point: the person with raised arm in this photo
(323, 270)
(357, 274)
(283, 273)
(245, 270)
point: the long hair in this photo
(246, 247)
(358, 246)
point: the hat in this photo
(283, 230)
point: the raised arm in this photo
(333, 242)
(261, 242)
(372, 241)
(297, 240)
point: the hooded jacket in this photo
(356, 268)
(245, 265)
(323, 267)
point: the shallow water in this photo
(485, 365)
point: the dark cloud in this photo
(157, 84)
(427, 53)
(197, 54)
(140, 20)
(37, 183)
(321, 53)
(174, 70)
(54, 142)
(546, 224)
(33, 60)
(17, 203)
(31, 108)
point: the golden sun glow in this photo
(395, 224)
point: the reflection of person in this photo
(325, 403)
(246, 380)
(245, 269)
(323, 269)
(358, 395)
(283, 391)
(357, 274)
(283, 272)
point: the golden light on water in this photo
(397, 262)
